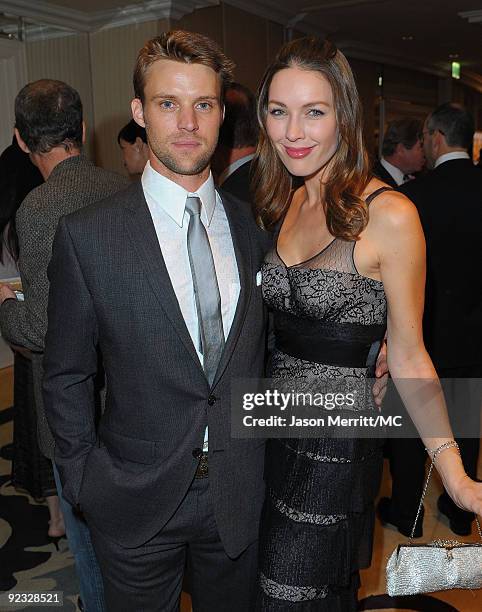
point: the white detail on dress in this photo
(306, 517)
(287, 592)
(316, 457)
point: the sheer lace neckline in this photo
(300, 263)
(337, 255)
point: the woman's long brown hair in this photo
(346, 212)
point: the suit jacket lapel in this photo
(141, 230)
(242, 249)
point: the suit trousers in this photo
(80, 545)
(150, 577)
(408, 456)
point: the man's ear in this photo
(138, 112)
(440, 138)
(438, 141)
(20, 142)
(84, 130)
(138, 143)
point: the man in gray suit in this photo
(50, 128)
(162, 280)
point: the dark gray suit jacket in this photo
(110, 289)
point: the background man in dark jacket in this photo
(238, 138)
(449, 201)
(402, 152)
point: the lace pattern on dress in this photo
(306, 517)
(327, 287)
(291, 593)
(316, 457)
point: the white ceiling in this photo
(433, 29)
(92, 5)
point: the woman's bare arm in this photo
(400, 245)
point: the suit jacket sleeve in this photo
(410, 190)
(70, 363)
(25, 323)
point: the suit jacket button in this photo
(197, 453)
(211, 400)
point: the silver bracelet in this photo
(433, 453)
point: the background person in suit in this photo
(129, 277)
(402, 152)
(132, 140)
(50, 128)
(449, 202)
(238, 138)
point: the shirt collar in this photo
(449, 156)
(233, 167)
(395, 172)
(166, 195)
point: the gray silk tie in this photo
(206, 290)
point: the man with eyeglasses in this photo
(449, 201)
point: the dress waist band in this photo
(320, 348)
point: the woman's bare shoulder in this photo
(390, 210)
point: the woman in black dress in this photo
(348, 264)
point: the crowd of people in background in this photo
(142, 303)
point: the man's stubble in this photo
(176, 164)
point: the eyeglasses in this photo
(432, 131)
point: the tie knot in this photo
(193, 205)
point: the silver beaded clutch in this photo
(437, 566)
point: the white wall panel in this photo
(113, 55)
(13, 76)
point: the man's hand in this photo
(6, 292)
(381, 372)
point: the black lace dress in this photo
(318, 519)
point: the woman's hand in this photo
(6, 293)
(380, 386)
(467, 494)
